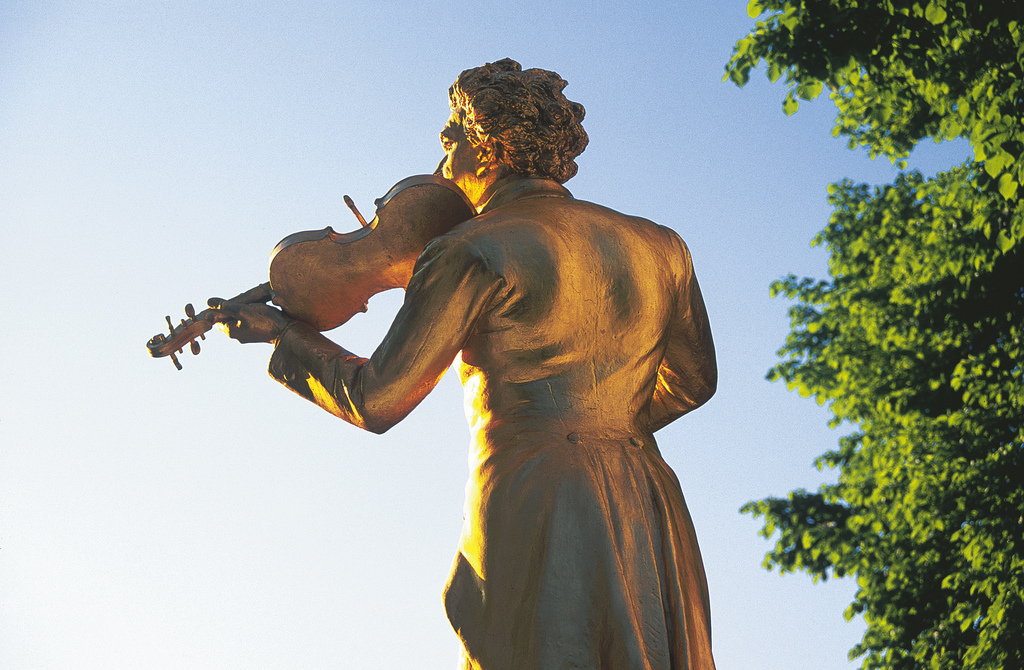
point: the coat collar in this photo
(519, 188)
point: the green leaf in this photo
(754, 9)
(953, 129)
(935, 13)
(790, 105)
(809, 90)
(997, 163)
(1007, 186)
(1003, 241)
(739, 76)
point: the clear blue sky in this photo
(153, 153)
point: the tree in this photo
(915, 340)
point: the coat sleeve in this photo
(450, 287)
(688, 374)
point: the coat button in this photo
(574, 438)
(636, 442)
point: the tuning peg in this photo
(174, 359)
(355, 210)
(170, 325)
(190, 311)
(194, 346)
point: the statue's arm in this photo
(688, 375)
(450, 287)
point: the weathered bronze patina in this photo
(579, 332)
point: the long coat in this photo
(581, 332)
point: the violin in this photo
(324, 278)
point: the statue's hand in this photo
(248, 322)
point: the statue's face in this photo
(462, 158)
(468, 166)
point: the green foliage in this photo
(916, 339)
(900, 71)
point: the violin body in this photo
(323, 277)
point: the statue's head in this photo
(523, 115)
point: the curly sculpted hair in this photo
(534, 129)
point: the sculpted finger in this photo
(219, 316)
(226, 307)
(230, 317)
(261, 293)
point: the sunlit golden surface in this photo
(581, 332)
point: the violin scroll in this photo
(187, 332)
(195, 326)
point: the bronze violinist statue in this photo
(582, 331)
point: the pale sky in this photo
(153, 153)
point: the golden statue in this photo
(579, 332)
